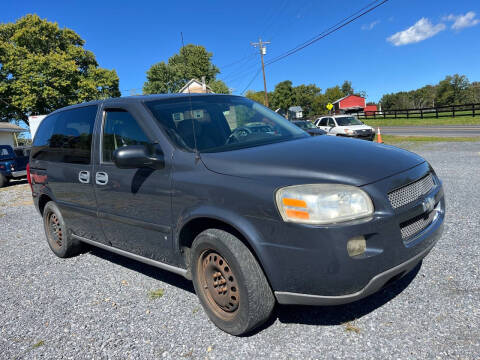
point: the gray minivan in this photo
(182, 182)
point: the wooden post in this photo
(395, 114)
(453, 110)
(473, 110)
(407, 113)
(421, 113)
(436, 112)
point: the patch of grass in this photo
(426, 121)
(394, 139)
(156, 294)
(38, 344)
(350, 326)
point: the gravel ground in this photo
(98, 305)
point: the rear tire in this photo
(3, 180)
(58, 238)
(230, 283)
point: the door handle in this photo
(101, 178)
(84, 177)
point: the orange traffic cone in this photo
(379, 136)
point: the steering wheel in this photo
(237, 134)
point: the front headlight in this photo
(350, 132)
(323, 203)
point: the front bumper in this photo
(310, 264)
(375, 284)
(17, 174)
(365, 136)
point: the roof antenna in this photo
(197, 154)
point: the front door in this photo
(134, 205)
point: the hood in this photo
(316, 131)
(314, 159)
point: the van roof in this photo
(136, 98)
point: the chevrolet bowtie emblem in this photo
(428, 204)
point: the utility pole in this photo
(263, 50)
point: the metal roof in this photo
(8, 127)
(295, 108)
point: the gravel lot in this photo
(98, 305)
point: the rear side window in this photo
(66, 136)
(120, 129)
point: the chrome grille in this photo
(417, 224)
(411, 192)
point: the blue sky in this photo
(402, 45)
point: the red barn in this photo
(370, 110)
(350, 103)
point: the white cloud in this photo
(462, 21)
(422, 30)
(371, 25)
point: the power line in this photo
(238, 61)
(330, 30)
(240, 69)
(251, 81)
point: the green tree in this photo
(453, 90)
(304, 96)
(333, 94)
(43, 68)
(347, 88)
(474, 93)
(219, 87)
(192, 62)
(258, 96)
(283, 96)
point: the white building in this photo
(194, 87)
(8, 133)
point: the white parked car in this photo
(345, 125)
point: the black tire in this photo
(3, 180)
(218, 257)
(58, 238)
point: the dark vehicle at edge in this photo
(164, 180)
(309, 127)
(13, 163)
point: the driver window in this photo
(331, 122)
(120, 129)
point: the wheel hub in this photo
(219, 282)
(55, 230)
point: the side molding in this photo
(158, 264)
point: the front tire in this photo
(3, 180)
(58, 238)
(230, 283)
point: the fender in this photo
(237, 221)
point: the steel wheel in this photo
(219, 284)
(55, 232)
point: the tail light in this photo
(29, 178)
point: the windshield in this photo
(221, 123)
(348, 120)
(6, 153)
(305, 125)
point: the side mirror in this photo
(331, 125)
(138, 156)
